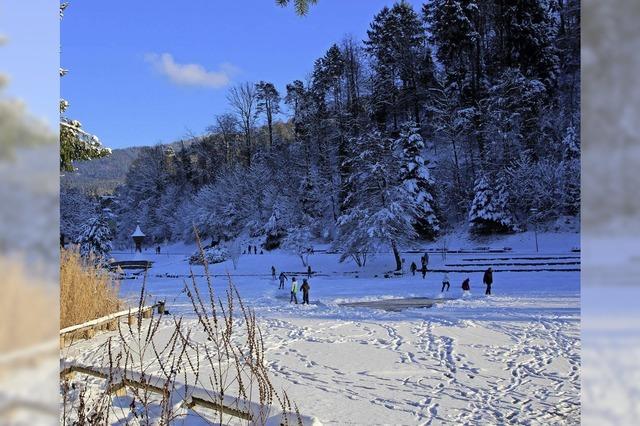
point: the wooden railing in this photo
(88, 329)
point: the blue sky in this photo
(143, 72)
(30, 56)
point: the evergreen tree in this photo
(489, 213)
(268, 103)
(396, 42)
(571, 173)
(418, 182)
(95, 238)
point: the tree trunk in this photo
(396, 254)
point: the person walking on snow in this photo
(305, 291)
(273, 273)
(309, 271)
(294, 290)
(445, 282)
(283, 278)
(413, 268)
(466, 288)
(423, 260)
(488, 280)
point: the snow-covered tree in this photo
(417, 180)
(298, 242)
(571, 172)
(489, 211)
(95, 238)
(380, 209)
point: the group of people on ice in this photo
(424, 261)
(487, 279)
(305, 287)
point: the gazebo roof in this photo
(138, 232)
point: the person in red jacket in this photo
(466, 287)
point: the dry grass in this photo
(27, 307)
(220, 357)
(87, 291)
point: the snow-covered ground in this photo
(512, 357)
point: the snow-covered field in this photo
(512, 357)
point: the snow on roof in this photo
(138, 232)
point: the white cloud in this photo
(191, 74)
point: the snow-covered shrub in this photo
(212, 255)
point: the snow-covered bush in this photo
(212, 255)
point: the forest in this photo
(463, 113)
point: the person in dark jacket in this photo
(424, 262)
(413, 268)
(309, 271)
(305, 291)
(466, 287)
(273, 273)
(488, 280)
(283, 278)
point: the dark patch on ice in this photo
(397, 305)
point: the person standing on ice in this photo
(424, 261)
(466, 287)
(413, 268)
(294, 290)
(445, 282)
(488, 280)
(309, 271)
(283, 278)
(305, 291)
(273, 273)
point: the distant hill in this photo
(102, 175)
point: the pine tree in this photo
(417, 180)
(268, 103)
(488, 213)
(95, 238)
(396, 42)
(571, 173)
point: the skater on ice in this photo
(488, 280)
(273, 273)
(283, 278)
(309, 271)
(445, 282)
(466, 288)
(424, 262)
(294, 290)
(413, 268)
(305, 291)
